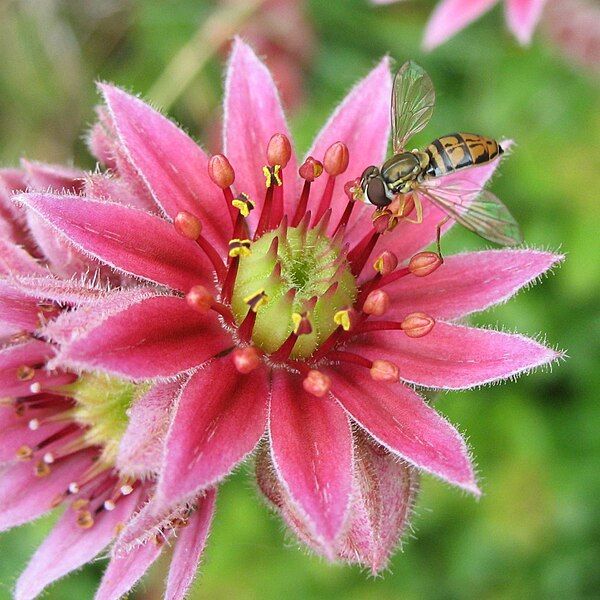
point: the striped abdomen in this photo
(458, 151)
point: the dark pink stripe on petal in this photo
(159, 336)
(219, 419)
(311, 444)
(189, 547)
(253, 114)
(173, 166)
(362, 122)
(126, 238)
(18, 309)
(467, 283)
(400, 420)
(456, 357)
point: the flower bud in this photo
(188, 225)
(386, 262)
(200, 299)
(310, 169)
(384, 370)
(417, 324)
(377, 303)
(424, 263)
(220, 171)
(246, 359)
(336, 159)
(316, 383)
(279, 150)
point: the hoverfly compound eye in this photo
(376, 192)
(369, 172)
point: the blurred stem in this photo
(193, 56)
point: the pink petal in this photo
(61, 291)
(450, 16)
(62, 258)
(25, 497)
(189, 547)
(385, 489)
(17, 309)
(123, 572)
(408, 238)
(125, 238)
(219, 419)
(173, 166)
(401, 421)
(311, 443)
(105, 187)
(57, 178)
(362, 122)
(466, 283)
(456, 357)
(253, 114)
(16, 260)
(11, 218)
(140, 449)
(522, 16)
(68, 547)
(160, 336)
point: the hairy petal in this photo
(140, 449)
(456, 357)
(311, 445)
(124, 571)
(219, 418)
(385, 489)
(400, 420)
(172, 165)
(253, 114)
(450, 16)
(158, 336)
(68, 547)
(189, 547)
(130, 240)
(522, 16)
(362, 122)
(14, 259)
(466, 283)
(18, 310)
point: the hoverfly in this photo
(407, 176)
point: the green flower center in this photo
(102, 406)
(305, 272)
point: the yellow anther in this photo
(272, 176)
(256, 300)
(243, 204)
(302, 324)
(342, 317)
(239, 247)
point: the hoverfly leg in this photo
(439, 235)
(410, 202)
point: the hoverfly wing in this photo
(413, 98)
(479, 211)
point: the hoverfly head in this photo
(374, 188)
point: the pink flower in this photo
(71, 438)
(295, 326)
(450, 16)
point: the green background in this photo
(535, 533)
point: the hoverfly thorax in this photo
(402, 169)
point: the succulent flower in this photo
(450, 16)
(261, 300)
